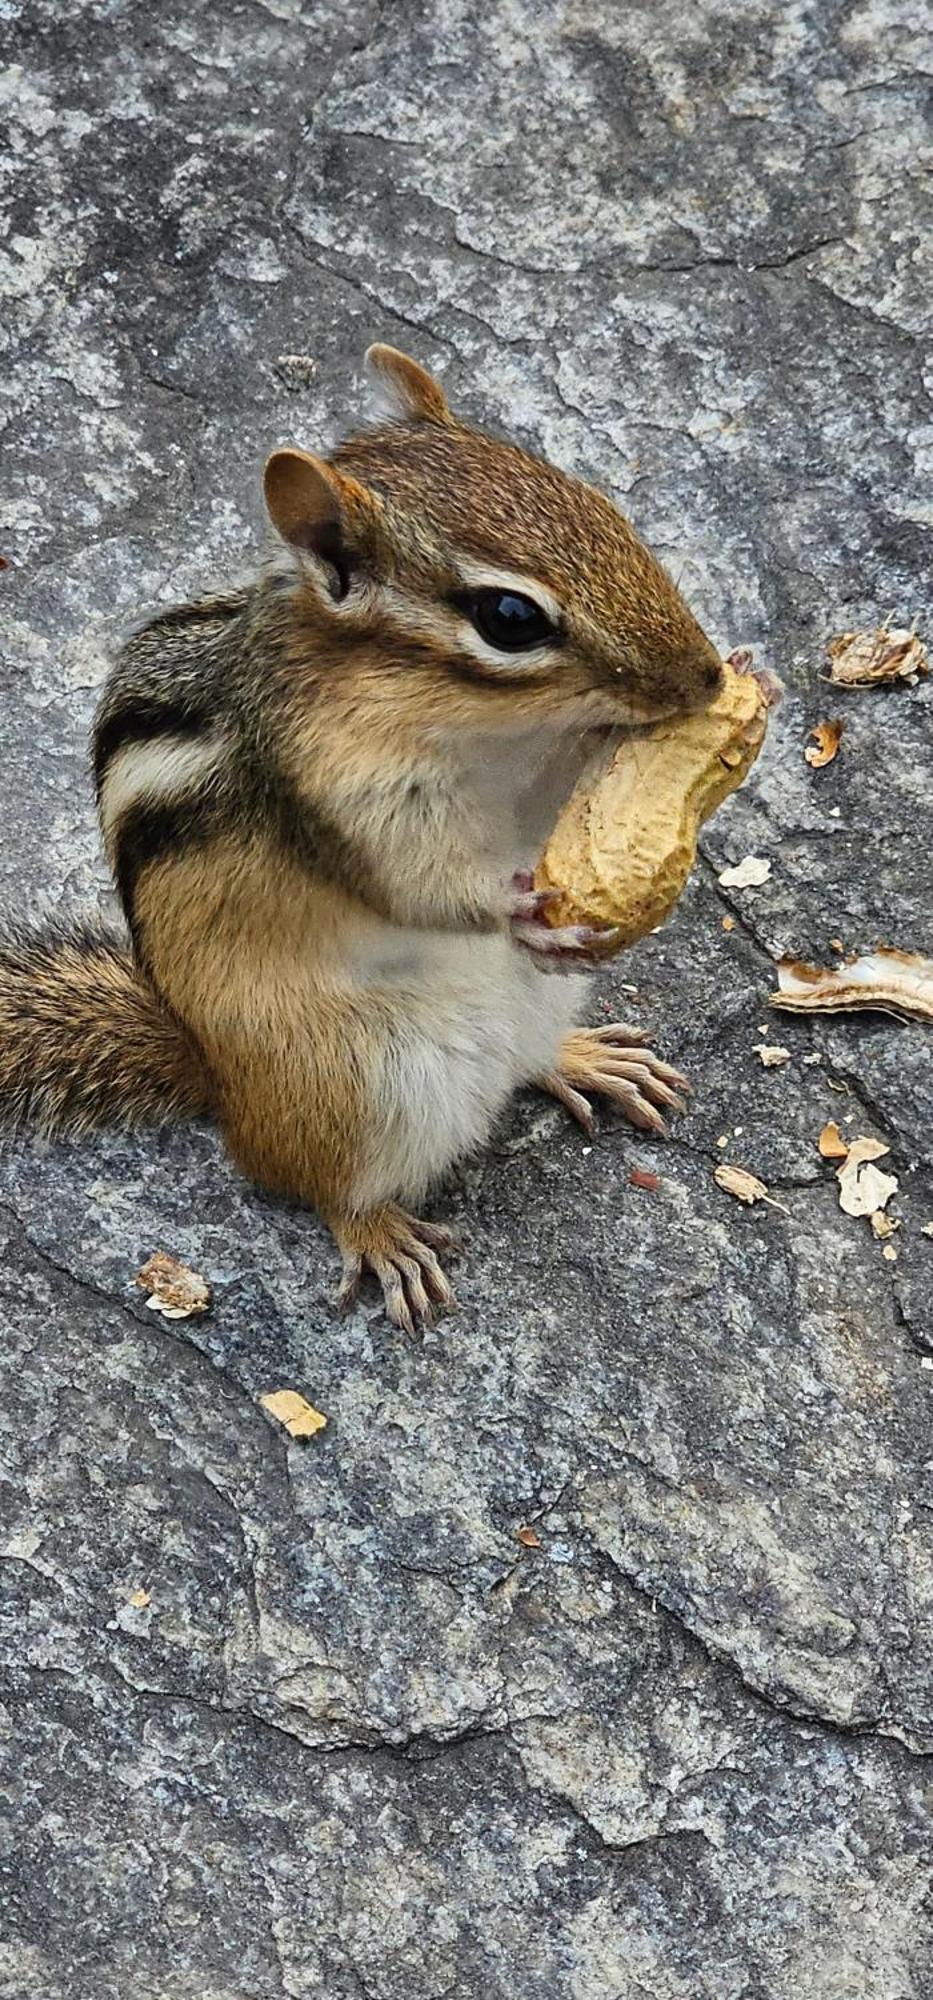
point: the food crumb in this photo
(771, 1056)
(174, 1291)
(298, 1416)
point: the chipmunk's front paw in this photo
(401, 1252)
(611, 1063)
(563, 948)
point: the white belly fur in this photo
(469, 1019)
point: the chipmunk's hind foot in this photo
(401, 1252)
(612, 1062)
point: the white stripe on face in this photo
(484, 576)
(451, 629)
(504, 666)
(164, 767)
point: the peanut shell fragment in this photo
(894, 982)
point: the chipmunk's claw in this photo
(400, 1251)
(348, 1290)
(557, 948)
(567, 947)
(573, 1101)
(626, 1043)
(610, 1063)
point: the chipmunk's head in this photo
(477, 584)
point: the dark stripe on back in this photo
(138, 720)
(146, 833)
(196, 611)
(312, 839)
(151, 831)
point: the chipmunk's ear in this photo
(405, 392)
(320, 511)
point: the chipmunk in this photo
(322, 797)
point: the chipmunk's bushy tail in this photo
(85, 1041)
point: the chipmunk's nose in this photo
(701, 674)
(693, 666)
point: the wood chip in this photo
(174, 1291)
(865, 659)
(640, 1177)
(891, 982)
(827, 737)
(747, 874)
(300, 1418)
(140, 1599)
(883, 1225)
(528, 1537)
(728, 923)
(889, 1253)
(744, 1186)
(831, 1143)
(770, 1055)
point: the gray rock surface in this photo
(362, 1741)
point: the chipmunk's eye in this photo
(507, 620)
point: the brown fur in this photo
(244, 945)
(84, 1039)
(487, 497)
(313, 792)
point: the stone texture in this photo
(361, 1741)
